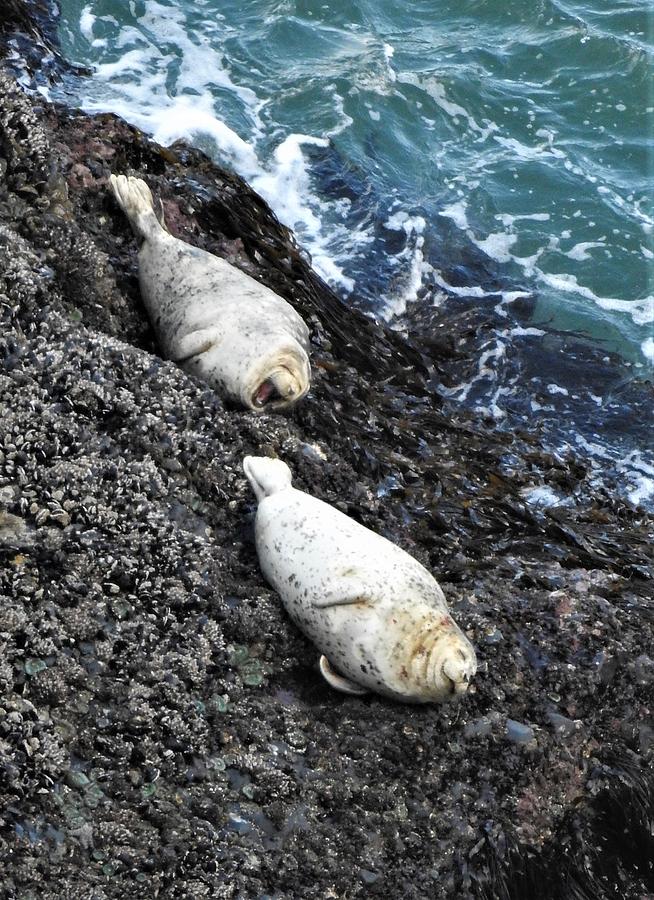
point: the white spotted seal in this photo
(214, 320)
(377, 615)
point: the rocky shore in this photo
(164, 731)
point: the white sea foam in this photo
(542, 496)
(492, 353)
(497, 245)
(642, 490)
(457, 212)
(285, 184)
(86, 23)
(414, 267)
(345, 120)
(200, 64)
(474, 290)
(435, 88)
(630, 206)
(635, 469)
(641, 311)
(580, 250)
(389, 52)
(508, 220)
(524, 152)
(520, 331)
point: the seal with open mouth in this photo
(378, 617)
(213, 319)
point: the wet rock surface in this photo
(163, 727)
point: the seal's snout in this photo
(459, 668)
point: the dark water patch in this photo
(380, 272)
(585, 403)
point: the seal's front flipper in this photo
(345, 591)
(338, 682)
(196, 343)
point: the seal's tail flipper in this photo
(135, 200)
(267, 476)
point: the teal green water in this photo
(525, 128)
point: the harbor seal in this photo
(211, 318)
(378, 617)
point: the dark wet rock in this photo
(29, 42)
(562, 726)
(481, 727)
(34, 23)
(163, 727)
(519, 732)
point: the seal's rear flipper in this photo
(338, 682)
(135, 199)
(267, 476)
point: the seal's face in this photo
(458, 668)
(437, 661)
(279, 382)
(281, 388)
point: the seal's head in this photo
(279, 381)
(437, 660)
(458, 667)
(260, 371)
(451, 666)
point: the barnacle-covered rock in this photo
(23, 142)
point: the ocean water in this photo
(391, 136)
